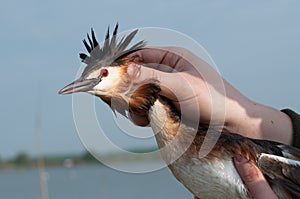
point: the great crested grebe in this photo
(212, 176)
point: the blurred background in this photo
(255, 46)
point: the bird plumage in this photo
(212, 176)
(111, 53)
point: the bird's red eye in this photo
(104, 72)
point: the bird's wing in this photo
(283, 169)
(290, 152)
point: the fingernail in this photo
(131, 70)
(240, 159)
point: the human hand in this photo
(190, 83)
(200, 94)
(253, 179)
(240, 111)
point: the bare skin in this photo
(254, 179)
(219, 103)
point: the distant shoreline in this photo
(23, 161)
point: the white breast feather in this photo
(218, 179)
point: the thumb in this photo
(254, 179)
(139, 73)
(167, 80)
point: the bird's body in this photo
(211, 176)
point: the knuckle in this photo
(251, 174)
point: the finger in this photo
(165, 58)
(140, 74)
(158, 56)
(254, 179)
(167, 81)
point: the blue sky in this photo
(255, 45)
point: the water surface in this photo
(91, 182)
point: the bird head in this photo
(105, 74)
(106, 68)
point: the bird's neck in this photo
(164, 118)
(173, 137)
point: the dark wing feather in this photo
(111, 51)
(290, 152)
(285, 170)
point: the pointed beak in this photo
(80, 85)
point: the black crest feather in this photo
(111, 51)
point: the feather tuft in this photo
(111, 52)
(116, 29)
